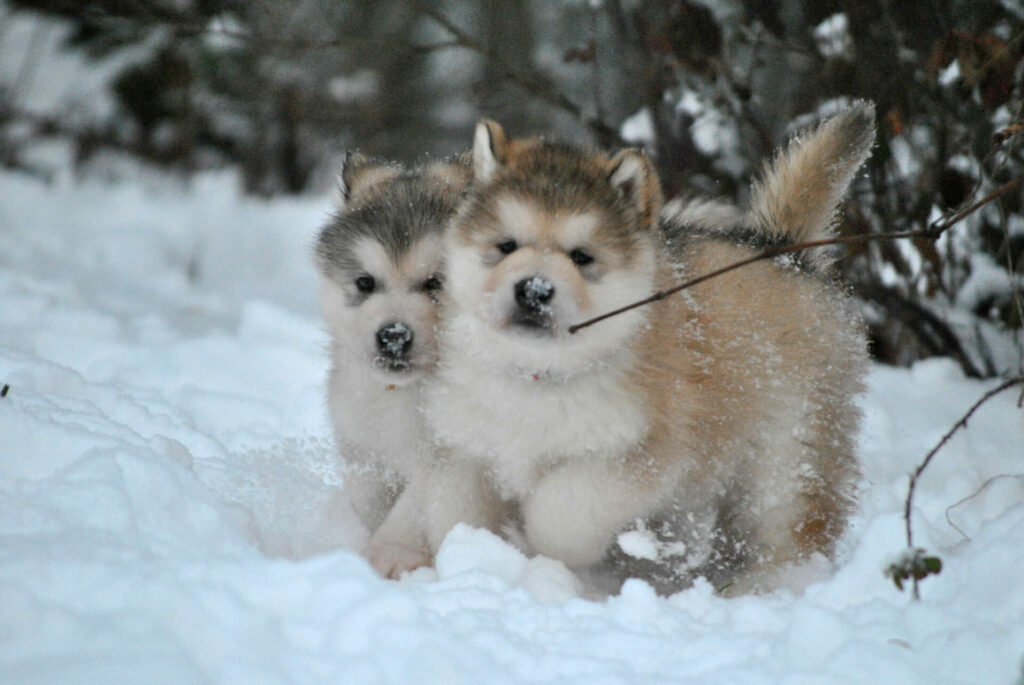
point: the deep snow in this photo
(167, 480)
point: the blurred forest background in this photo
(280, 89)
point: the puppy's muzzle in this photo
(394, 341)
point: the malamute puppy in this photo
(711, 433)
(379, 259)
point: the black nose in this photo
(394, 340)
(534, 292)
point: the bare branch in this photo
(982, 488)
(767, 253)
(937, 228)
(962, 423)
(932, 232)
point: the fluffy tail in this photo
(796, 198)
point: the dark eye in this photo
(580, 258)
(508, 246)
(366, 284)
(432, 283)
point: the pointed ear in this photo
(349, 165)
(630, 173)
(359, 174)
(488, 150)
(453, 173)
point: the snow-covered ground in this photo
(166, 482)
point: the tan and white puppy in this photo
(380, 264)
(711, 433)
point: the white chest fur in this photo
(521, 425)
(374, 422)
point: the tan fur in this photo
(763, 336)
(649, 197)
(450, 177)
(723, 417)
(362, 178)
(797, 195)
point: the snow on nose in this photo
(395, 339)
(534, 292)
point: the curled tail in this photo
(796, 198)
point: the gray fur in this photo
(383, 336)
(406, 211)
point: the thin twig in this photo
(767, 253)
(962, 423)
(982, 488)
(940, 226)
(932, 232)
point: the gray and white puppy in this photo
(379, 259)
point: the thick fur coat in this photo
(380, 264)
(716, 427)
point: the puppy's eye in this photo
(580, 257)
(507, 246)
(433, 283)
(366, 284)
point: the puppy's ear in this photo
(453, 173)
(489, 144)
(360, 174)
(634, 178)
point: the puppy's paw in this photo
(562, 522)
(392, 559)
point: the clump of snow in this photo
(469, 551)
(642, 543)
(833, 36)
(950, 74)
(169, 510)
(903, 155)
(362, 85)
(639, 544)
(986, 280)
(713, 133)
(638, 128)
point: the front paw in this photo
(564, 522)
(392, 559)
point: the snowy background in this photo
(166, 482)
